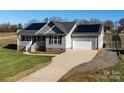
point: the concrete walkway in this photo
(60, 65)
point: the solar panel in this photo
(35, 26)
(57, 30)
(88, 28)
(51, 24)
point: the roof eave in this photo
(85, 34)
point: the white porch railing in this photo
(24, 43)
(34, 47)
(28, 46)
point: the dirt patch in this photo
(104, 59)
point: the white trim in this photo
(41, 28)
(68, 40)
(73, 28)
(49, 30)
(28, 46)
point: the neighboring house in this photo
(60, 36)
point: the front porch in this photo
(39, 43)
(32, 43)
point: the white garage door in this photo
(82, 44)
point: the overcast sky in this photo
(23, 16)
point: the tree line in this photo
(108, 24)
(7, 27)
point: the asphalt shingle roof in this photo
(59, 28)
(26, 32)
(65, 26)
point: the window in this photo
(50, 39)
(59, 39)
(28, 38)
(22, 38)
(25, 38)
(55, 39)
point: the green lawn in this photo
(13, 62)
(108, 38)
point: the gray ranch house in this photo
(60, 36)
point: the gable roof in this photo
(48, 28)
(87, 29)
(51, 27)
(59, 28)
(65, 26)
(62, 28)
(31, 29)
(54, 31)
(26, 32)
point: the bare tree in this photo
(7, 27)
(121, 22)
(95, 21)
(76, 20)
(31, 21)
(117, 37)
(45, 19)
(57, 19)
(20, 26)
(108, 25)
(65, 19)
(83, 21)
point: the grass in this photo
(5, 34)
(108, 38)
(7, 38)
(6, 41)
(111, 74)
(13, 62)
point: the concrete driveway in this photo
(60, 65)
